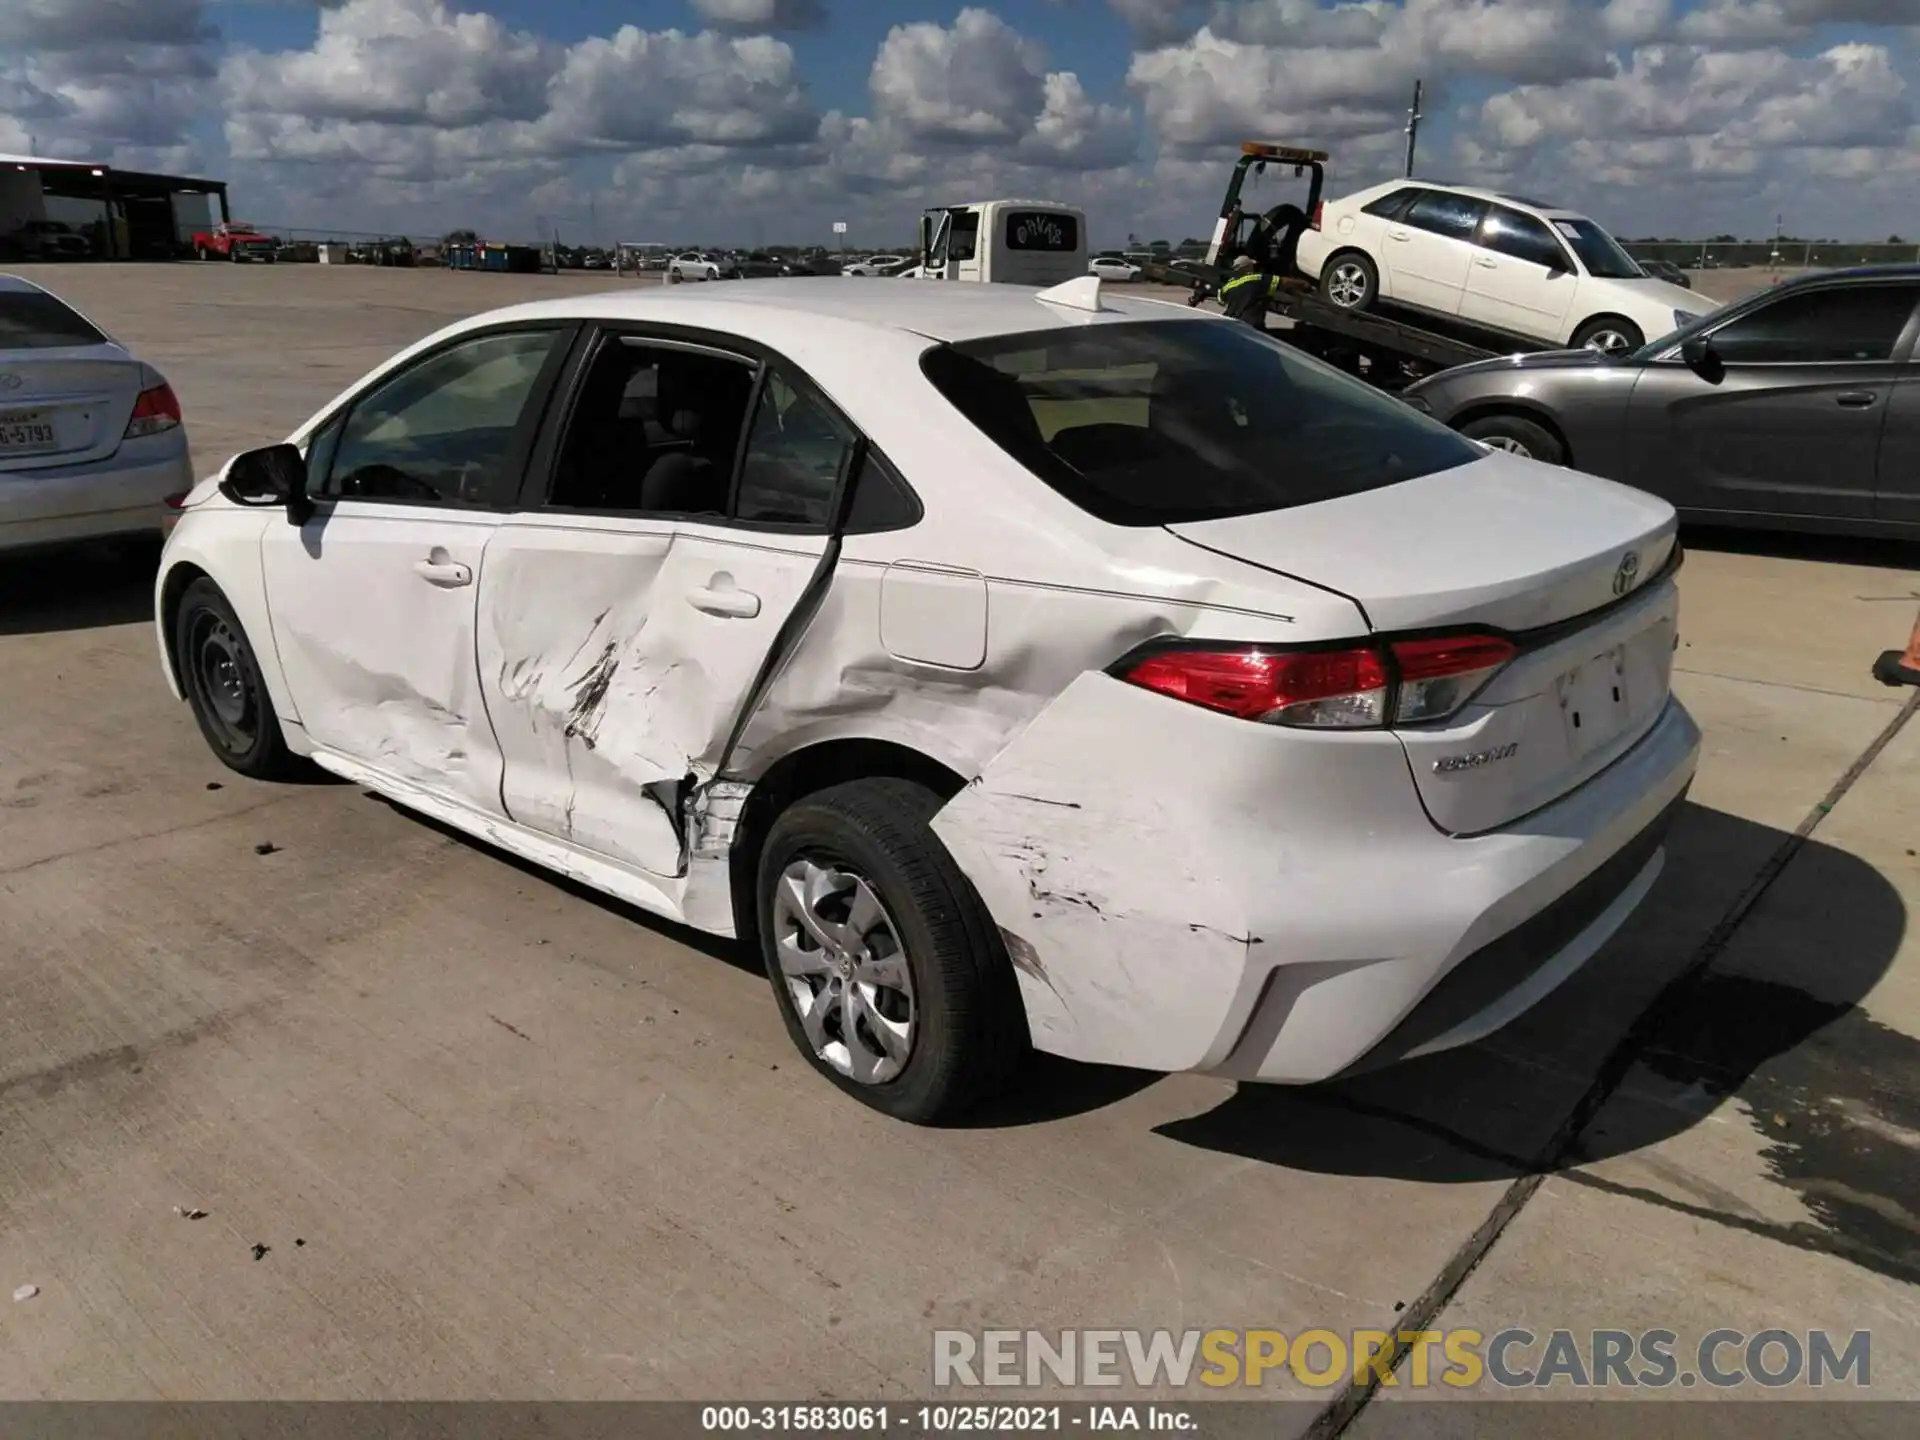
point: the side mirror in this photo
(275, 475)
(1700, 357)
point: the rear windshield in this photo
(34, 320)
(1160, 422)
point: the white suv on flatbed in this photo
(1494, 262)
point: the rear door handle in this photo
(447, 574)
(1856, 399)
(737, 604)
(1398, 235)
(1489, 264)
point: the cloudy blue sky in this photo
(744, 120)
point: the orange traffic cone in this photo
(1900, 667)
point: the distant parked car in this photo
(695, 266)
(91, 443)
(878, 265)
(237, 241)
(1668, 271)
(1494, 263)
(1113, 267)
(47, 240)
(1797, 407)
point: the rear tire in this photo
(899, 941)
(1517, 436)
(223, 684)
(1610, 335)
(1350, 281)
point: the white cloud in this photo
(760, 17)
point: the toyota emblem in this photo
(1626, 572)
(10, 381)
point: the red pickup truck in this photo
(234, 241)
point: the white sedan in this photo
(91, 443)
(1499, 264)
(1009, 667)
(695, 266)
(1114, 267)
(876, 265)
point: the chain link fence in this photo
(1772, 254)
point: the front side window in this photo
(795, 453)
(442, 430)
(1167, 421)
(1509, 232)
(1861, 323)
(964, 243)
(1598, 250)
(1441, 213)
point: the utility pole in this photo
(1414, 117)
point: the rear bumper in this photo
(1274, 907)
(122, 495)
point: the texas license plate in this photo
(26, 430)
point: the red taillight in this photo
(1344, 689)
(1319, 209)
(1365, 687)
(154, 411)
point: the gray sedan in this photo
(91, 443)
(1797, 408)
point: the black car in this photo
(1798, 407)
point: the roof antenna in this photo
(1080, 293)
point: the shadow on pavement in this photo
(78, 587)
(1875, 553)
(1493, 1110)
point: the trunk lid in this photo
(69, 406)
(1572, 568)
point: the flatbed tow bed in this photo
(1381, 349)
(1385, 351)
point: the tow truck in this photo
(1387, 352)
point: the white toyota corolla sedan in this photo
(91, 443)
(1012, 668)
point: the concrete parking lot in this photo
(460, 1130)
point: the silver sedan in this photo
(91, 440)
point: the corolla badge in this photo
(1626, 572)
(1450, 764)
(10, 381)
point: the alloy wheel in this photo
(1348, 286)
(1608, 342)
(845, 970)
(1506, 443)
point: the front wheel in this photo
(222, 679)
(1610, 335)
(1350, 281)
(889, 973)
(1517, 436)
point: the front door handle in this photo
(1856, 399)
(1487, 262)
(438, 569)
(738, 604)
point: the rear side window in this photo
(1042, 230)
(1392, 207)
(1455, 216)
(35, 320)
(1166, 421)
